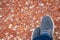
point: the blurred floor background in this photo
(18, 18)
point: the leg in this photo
(43, 37)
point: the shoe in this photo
(47, 25)
(35, 33)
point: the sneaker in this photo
(35, 33)
(47, 26)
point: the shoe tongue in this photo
(44, 31)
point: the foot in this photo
(36, 33)
(46, 25)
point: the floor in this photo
(18, 18)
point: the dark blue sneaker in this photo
(35, 33)
(47, 25)
(45, 28)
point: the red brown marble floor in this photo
(18, 18)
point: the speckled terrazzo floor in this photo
(18, 18)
